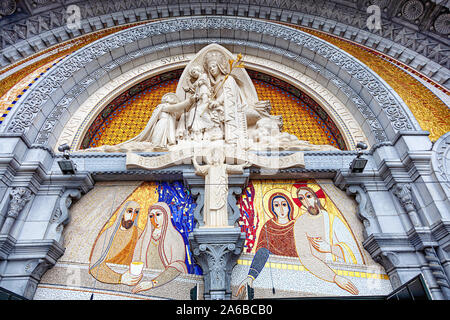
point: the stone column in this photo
(216, 250)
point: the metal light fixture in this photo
(358, 164)
(67, 166)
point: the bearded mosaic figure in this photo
(215, 104)
(115, 244)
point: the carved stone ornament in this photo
(365, 210)
(216, 253)
(437, 270)
(7, 7)
(441, 162)
(61, 215)
(19, 198)
(403, 193)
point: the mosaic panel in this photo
(150, 229)
(305, 228)
(130, 240)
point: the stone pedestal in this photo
(216, 250)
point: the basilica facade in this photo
(158, 149)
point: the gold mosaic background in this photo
(130, 120)
(431, 113)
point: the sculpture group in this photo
(215, 104)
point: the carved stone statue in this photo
(215, 102)
(216, 186)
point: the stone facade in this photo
(402, 197)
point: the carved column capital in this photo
(216, 251)
(19, 198)
(403, 193)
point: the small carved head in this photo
(215, 157)
(170, 98)
(215, 62)
(195, 72)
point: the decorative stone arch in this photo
(44, 109)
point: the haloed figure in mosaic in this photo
(115, 244)
(321, 238)
(276, 236)
(160, 247)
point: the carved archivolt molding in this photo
(394, 110)
(79, 123)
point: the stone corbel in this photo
(365, 210)
(61, 216)
(404, 195)
(19, 198)
(199, 196)
(233, 210)
(390, 261)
